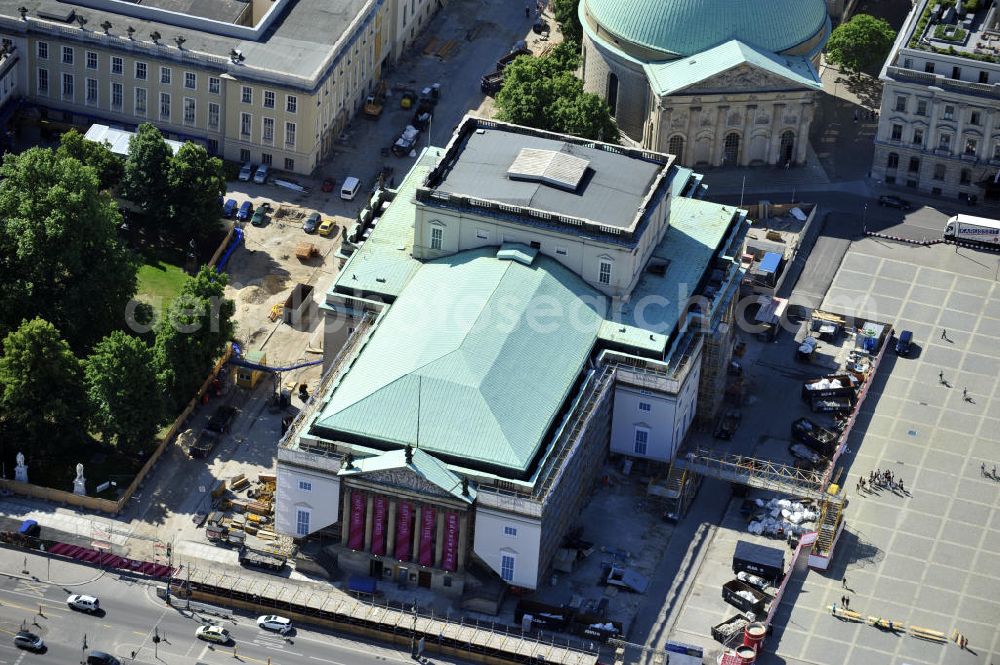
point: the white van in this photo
(350, 188)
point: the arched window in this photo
(892, 161)
(612, 94)
(787, 153)
(676, 147)
(731, 156)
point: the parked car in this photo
(83, 603)
(274, 622)
(327, 227)
(328, 185)
(246, 172)
(312, 221)
(262, 173)
(229, 208)
(102, 658)
(246, 209)
(216, 634)
(259, 217)
(222, 419)
(24, 639)
(904, 343)
(892, 201)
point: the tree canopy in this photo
(59, 250)
(124, 392)
(43, 407)
(109, 166)
(193, 333)
(145, 181)
(568, 18)
(544, 93)
(860, 44)
(196, 181)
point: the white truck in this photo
(974, 229)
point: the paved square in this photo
(927, 557)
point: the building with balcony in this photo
(270, 82)
(939, 124)
(522, 306)
(712, 82)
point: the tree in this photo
(124, 393)
(860, 44)
(585, 115)
(196, 182)
(567, 16)
(193, 333)
(145, 181)
(60, 255)
(109, 166)
(43, 406)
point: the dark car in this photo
(221, 419)
(311, 223)
(891, 201)
(904, 343)
(27, 640)
(246, 209)
(229, 208)
(101, 658)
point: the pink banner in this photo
(404, 531)
(427, 536)
(450, 559)
(356, 536)
(378, 527)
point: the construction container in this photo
(246, 377)
(766, 562)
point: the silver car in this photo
(27, 640)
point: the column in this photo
(774, 136)
(463, 539)
(958, 147)
(805, 119)
(439, 538)
(748, 113)
(345, 517)
(718, 138)
(390, 534)
(369, 521)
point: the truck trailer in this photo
(973, 229)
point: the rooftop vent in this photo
(57, 13)
(551, 167)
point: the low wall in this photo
(60, 496)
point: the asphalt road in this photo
(132, 615)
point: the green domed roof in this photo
(687, 27)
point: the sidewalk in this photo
(49, 569)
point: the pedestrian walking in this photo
(982, 468)
(843, 582)
(994, 475)
(847, 602)
(941, 376)
(901, 485)
(965, 392)
(944, 334)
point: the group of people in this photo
(880, 479)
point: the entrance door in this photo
(731, 152)
(402, 576)
(787, 148)
(424, 579)
(375, 568)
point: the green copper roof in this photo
(686, 27)
(667, 78)
(426, 466)
(472, 362)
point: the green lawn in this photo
(159, 282)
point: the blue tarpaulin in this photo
(770, 262)
(361, 584)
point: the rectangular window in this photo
(305, 486)
(164, 106)
(506, 560)
(921, 107)
(929, 67)
(267, 131)
(289, 164)
(291, 104)
(92, 91)
(213, 147)
(140, 102)
(437, 236)
(43, 50)
(43, 81)
(67, 55)
(892, 161)
(918, 136)
(984, 77)
(67, 86)
(302, 522)
(482, 235)
(956, 72)
(269, 99)
(949, 112)
(244, 155)
(247, 95)
(91, 60)
(117, 65)
(996, 150)
(914, 165)
(944, 142)
(165, 75)
(214, 85)
(975, 118)
(189, 110)
(289, 134)
(939, 172)
(246, 125)
(641, 440)
(560, 251)
(140, 71)
(190, 80)
(266, 158)
(901, 103)
(897, 132)
(971, 145)
(510, 531)
(604, 273)
(116, 96)
(213, 115)
(645, 407)
(965, 177)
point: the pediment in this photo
(404, 479)
(742, 79)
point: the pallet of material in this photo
(239, 482)
(432, 46)
(447, 49)
(259, 507)
(266, 534)
(267, 478)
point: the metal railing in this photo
(756, 472)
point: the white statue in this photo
(80, 484)
(21, 470)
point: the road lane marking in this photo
(325, 660)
